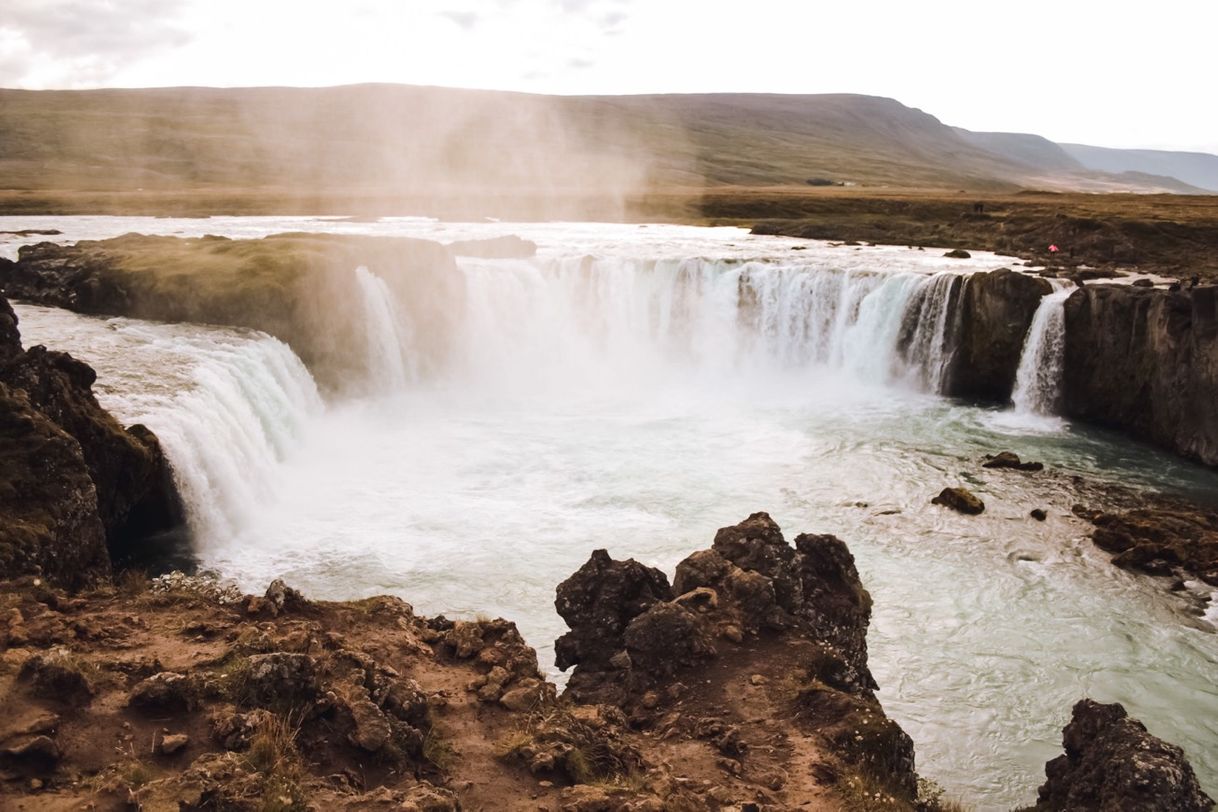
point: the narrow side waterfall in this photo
(390, 363)
(1038, 380)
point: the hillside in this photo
(400, 142)
(1199, 169)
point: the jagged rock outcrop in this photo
(72, 473)
(1112, 763)
(995, 312)
(1162, 538)
(300, 288)
(1145, 361)
(753, 608)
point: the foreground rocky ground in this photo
(750, 687)
(743, 685)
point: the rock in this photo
(173, 743)
(280, 679)
(57, 676)
(465, 638)
(166, 692)
(133, 494)
(49, 524)
(994, 313)
(961, 500)
(1006, 459)
(1112, 762)
(1038, 514)
(235, 730)
(665, 638)
(372, 729)
(1161, 537)
(281, 597)
(598, 602)
(1146, 361)
(40, 750)
(1143, 283)
(958, 253)
(523, 697)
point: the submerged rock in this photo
(961, 500)
(1112, 763)
(958, 253)
(1007, 459)
(1161, 539)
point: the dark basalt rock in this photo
(598, 602)
(958, 253)
(48, 404)
(961, 500)
(750, 595)
(1160, 540)
(1112, 763)
(49, 522)
(996, 310)
(1007, 459)
(1145, 360)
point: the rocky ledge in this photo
(77, 490)
(301, 288)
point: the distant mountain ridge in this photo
(366, 138)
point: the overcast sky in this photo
(1113, 73)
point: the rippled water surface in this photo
(575, 416)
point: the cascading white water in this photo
(390, 360)
(586, 322)
(1038, 379)
(227, 405)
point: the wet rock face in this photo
(1146, 361)
(1161, 540)
(72, 469)
(996, 310)
(1112, 762)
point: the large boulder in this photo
(599, 601)
(49, 523)
(996, 310)
(1145, 360)
(1112, 763)
(134, 496)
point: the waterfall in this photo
(226, 434)
(389, 359)
(1038, 379)
(584, 322)
(227, 405)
